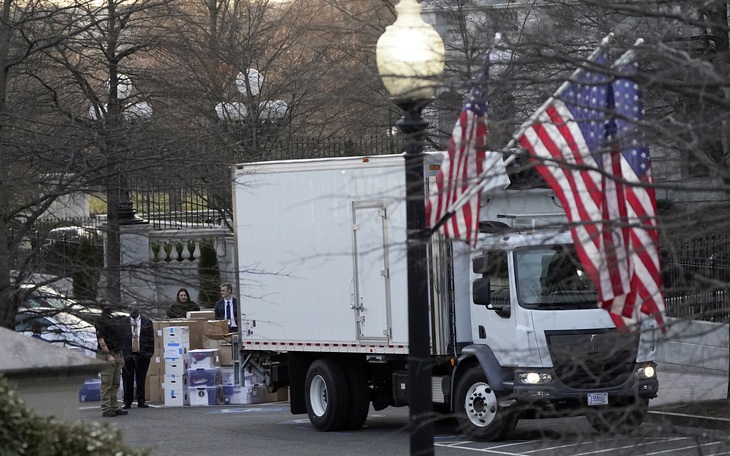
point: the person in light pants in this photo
(109, 335)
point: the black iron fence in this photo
(696, 275)
(170, 205)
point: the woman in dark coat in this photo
(183, 305)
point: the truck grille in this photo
(593, 359)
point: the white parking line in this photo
(691, 447)
(631, 445)
(478, 450)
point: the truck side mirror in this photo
(481, 295)
(479, 264)
(480, 291)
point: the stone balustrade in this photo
(156, 263)
(184, 245)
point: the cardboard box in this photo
(157, 328)
(175, 381)
(202, 359)
(216, 329)
(201, 315)
(204, 396)
(209, 343)
(194, 330)
(176, 391)
(175, 351)
(282, 394)
(178, 334)
(153, 388)
(157, 363)
(176, 367)
(176, 398)
(225, 354)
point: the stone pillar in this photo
(137, 279)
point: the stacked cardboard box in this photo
(168, 372)
(176, 344)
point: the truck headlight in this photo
(646, 372)
(534, 378)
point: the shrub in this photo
(24, 433)
(209, 274)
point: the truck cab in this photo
(541, 345)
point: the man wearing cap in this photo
(110, 337)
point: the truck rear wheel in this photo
(619, 419)
(326, 395)
(359, 396)
(477, 408)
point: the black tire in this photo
(477, 408)
(619, 419)
(359, 396)
(325, 395)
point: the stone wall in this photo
(695, 345)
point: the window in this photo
(552, 277)
(498, 273)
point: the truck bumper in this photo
(560, 395)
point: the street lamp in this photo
(410, 58)
(249, 83)
(131, 112)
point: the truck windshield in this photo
(551, 277)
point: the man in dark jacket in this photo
(139, 344)
(110, 336)
(227, 307)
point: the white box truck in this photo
(515, 328)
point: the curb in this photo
(681, 419)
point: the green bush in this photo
(209, 274)
(22, 432)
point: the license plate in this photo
(598, 399)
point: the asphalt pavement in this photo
(707, 391)
(273, 430)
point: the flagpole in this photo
(627, 56)
(476, 186)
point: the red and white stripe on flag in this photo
(645, 270)
(573, 143)
(460, 169)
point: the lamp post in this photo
(249, 83)
(131, 112)
(410, 58)
(120, 210)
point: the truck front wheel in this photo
(477, 408)
(325, 395)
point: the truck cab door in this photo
(371, 277)
(497, 319)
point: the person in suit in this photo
(227, 307)
(139, 344)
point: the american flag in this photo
(466, 161)
(573, 143)
(643, 236)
